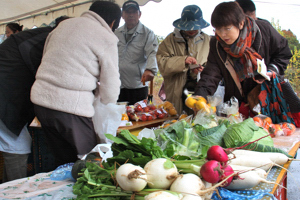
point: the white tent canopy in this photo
(31, 13)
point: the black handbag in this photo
(289, 94)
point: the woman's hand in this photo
(261, 81)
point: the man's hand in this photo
(147, 76)
(190, 60)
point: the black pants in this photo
(67, 135)
(133, 95)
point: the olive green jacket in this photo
(171, 56)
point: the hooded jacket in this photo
(272, 47)
(171, 56)
(79, 53)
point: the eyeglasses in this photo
(221, 30)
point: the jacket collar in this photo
(179, 38)
(139, 28)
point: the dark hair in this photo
(247, 5)
(15, 27)
(60, 19)
(109, 11)
(227, 13)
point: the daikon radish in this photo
(252, 161)
(278, 158)
(238, 168)
(247, 180)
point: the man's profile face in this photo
(131, 17)
(251, 14)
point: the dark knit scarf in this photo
(242, 54)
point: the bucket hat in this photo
(191, 19)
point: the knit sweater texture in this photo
(80, 59)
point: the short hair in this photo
(60, 19)
(15, 27)
(109, 11)
(227, 13)
(246, 5)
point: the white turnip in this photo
(188, 184)
(217, 153)
(246, 180)
(163, 195)
(238, 168)
(278, 158)
(161, 173)
(131, 177)
(211, 171)
(252, 161)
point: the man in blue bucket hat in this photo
(182, 55)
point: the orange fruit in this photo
(200, 98)
(182, 116)
(258, 121)
(202, 105)
(190, 102)
(172, 111)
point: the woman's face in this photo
(8, 31)
(230, 33)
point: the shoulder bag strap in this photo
(229, 66)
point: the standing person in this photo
(248, 7)
(20, 57)
(137, 50)
(67, 80)
(186, 45)
(238, 42)
(12, 28)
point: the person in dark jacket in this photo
(238, 42)
(20, 57)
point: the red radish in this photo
(227, 170)
(211, 171)
(217, 153)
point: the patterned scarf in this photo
(242, 54)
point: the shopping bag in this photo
(273, 102)
(107, 119)
(161, 93)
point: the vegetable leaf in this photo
(168, 164)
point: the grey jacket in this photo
(136, 55)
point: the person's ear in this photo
(140, 14)
(241, 25)
(112, 24)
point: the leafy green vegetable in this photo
(259, 134)
(128, 147)
(240, 132)
(262, 148)
(212, 136)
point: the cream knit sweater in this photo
(77, 54)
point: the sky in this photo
(160, 16)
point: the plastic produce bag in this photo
(107, 119)
(62, 172)
(231, 110)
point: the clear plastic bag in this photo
(231, 110)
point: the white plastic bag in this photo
(107, 119)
